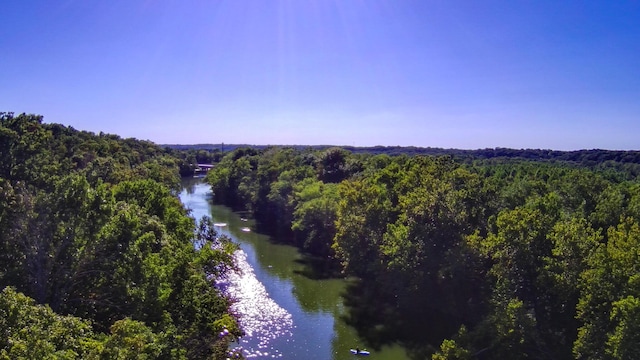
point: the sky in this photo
(562, 75)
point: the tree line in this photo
(627, 161)
(98, 257)
(460, 258)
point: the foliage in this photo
(31, 331)
(90, 225)
(534, 251)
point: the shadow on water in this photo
(381, 320)
(305, 286)
(317, 268)
(276, 234)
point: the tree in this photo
(90, 225)
(130, 339)
(31, 331)
(332, 165)
(624, 341)
(450, 350)
(608, 307)
(314, 216)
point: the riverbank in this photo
(316, 307)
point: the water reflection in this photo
(261, 318)
(189, 184)
(285, 313)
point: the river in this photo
(284, 313)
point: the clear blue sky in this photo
(443, 73)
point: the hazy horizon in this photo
(388, 146)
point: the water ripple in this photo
(261, 318)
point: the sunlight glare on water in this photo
(283, 313)
(260, 317)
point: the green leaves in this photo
(130, 339)
(30, 331)
(608, 305)
(536, 258)
(314, 216)
(450, 350)
(90, 225)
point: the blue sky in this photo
(455, 74)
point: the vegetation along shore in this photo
(456, 254)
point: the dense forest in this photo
(98, 257)
(461, 257)
(627, 161)
(486, 254)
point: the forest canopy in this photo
(461, 257)
(97, 255)
(485, 254)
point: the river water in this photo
(284, 313)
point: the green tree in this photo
(314, 216)
(332, 165)
(31, 331)
(450, 350)
(624, 341)
(607, 306)
(130, 340)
